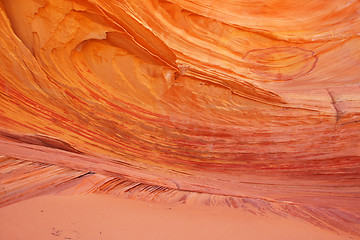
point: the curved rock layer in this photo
(229, 99)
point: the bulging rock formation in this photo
(250, 105)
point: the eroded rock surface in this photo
(247, 100)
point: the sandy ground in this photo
(106, 217)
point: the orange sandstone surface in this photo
(248, 107)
